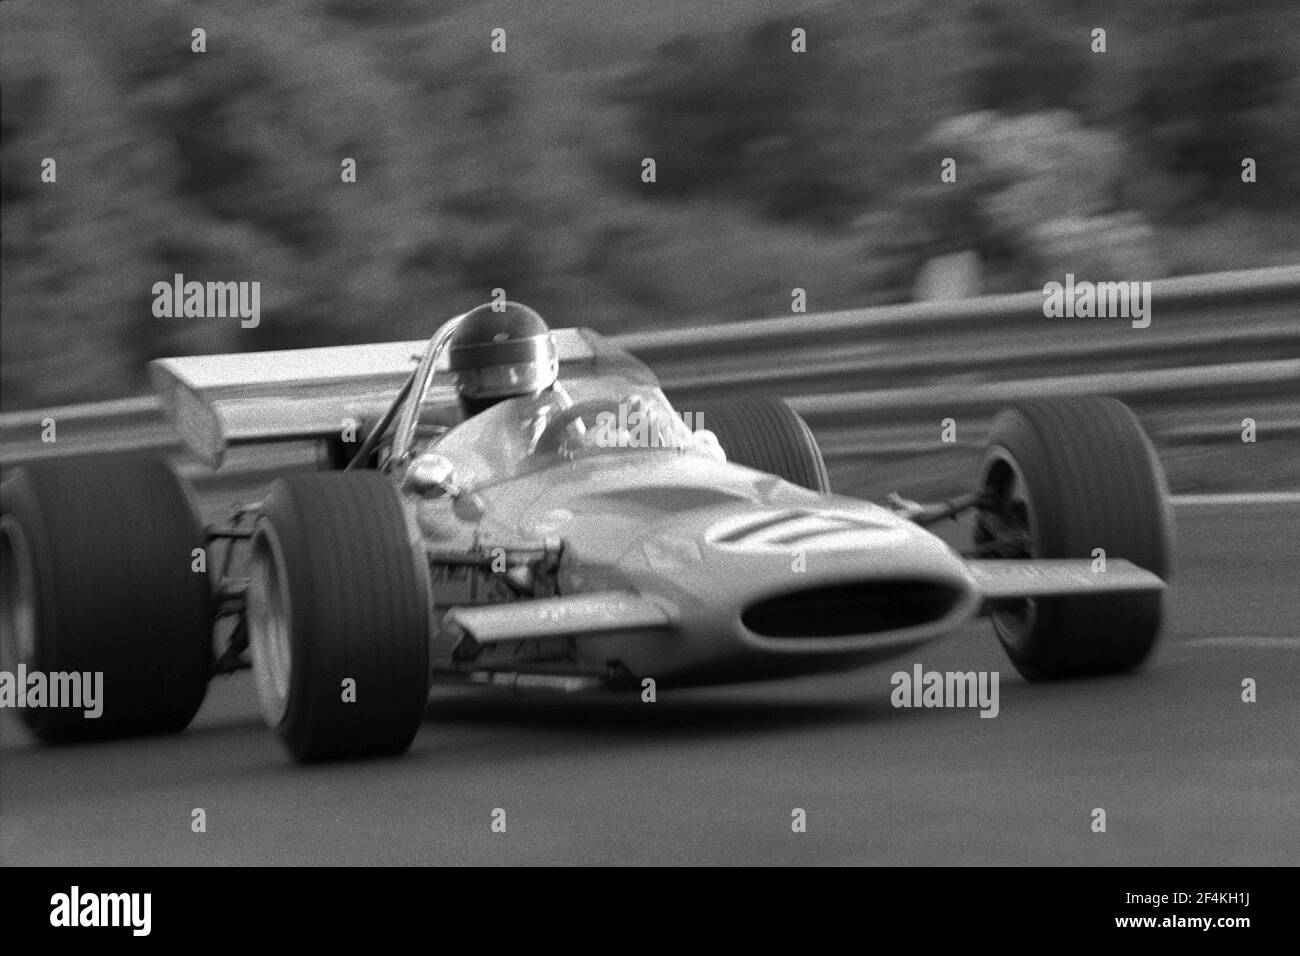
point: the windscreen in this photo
(565, 423)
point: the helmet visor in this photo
(511, 378)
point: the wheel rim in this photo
(1011, 512)
(267, 614)
(17, 596)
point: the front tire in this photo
(1068, 476)
(338, 617)
(97, 559)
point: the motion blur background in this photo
(523, 170)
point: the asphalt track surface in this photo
(1186, 772)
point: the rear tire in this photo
(95, 576)
(1076, 474)
(336, 594)
(766, 434)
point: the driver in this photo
(501, 352)
(504, 351)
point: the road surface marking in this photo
(1258, 641)
(1250, 498)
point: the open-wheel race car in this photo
(592, 540)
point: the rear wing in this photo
(217, 402)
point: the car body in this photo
(645, 558)
(586, 537)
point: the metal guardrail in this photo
(876, 382)
(1178, 295)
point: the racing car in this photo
(616, 547)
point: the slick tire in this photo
(338, 617)
(97, 576)
(766, 434)
(1074, 475)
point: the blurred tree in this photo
(748, 120)
(776, 168)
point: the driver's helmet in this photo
(500, 351)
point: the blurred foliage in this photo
(523, 170)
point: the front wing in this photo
(606, 612)
(1003, 580)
